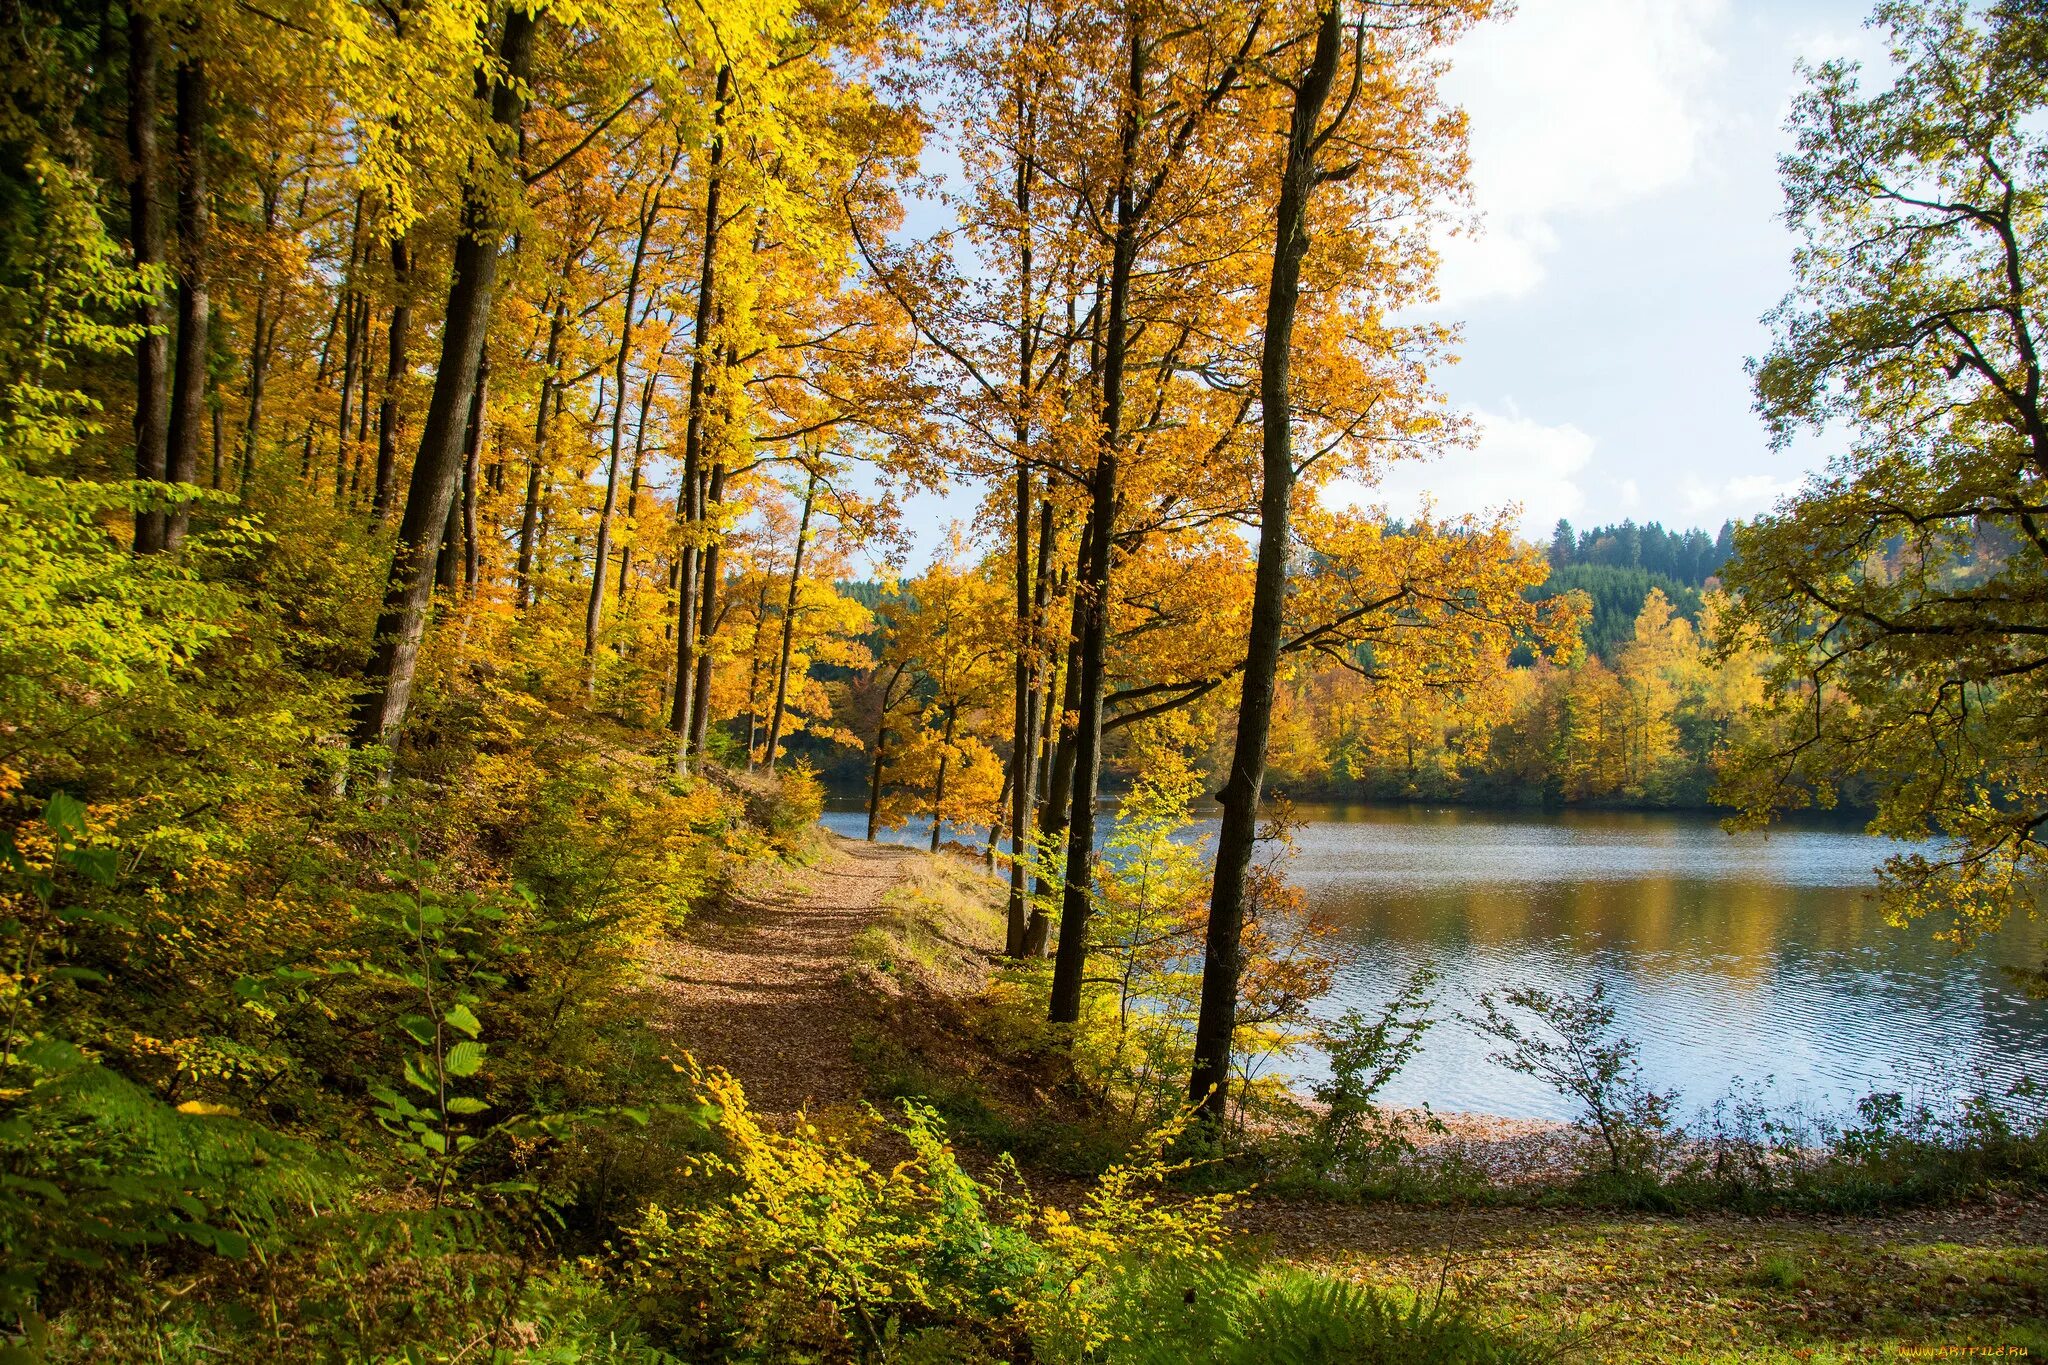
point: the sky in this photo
(1624, 165)
(1624, 156)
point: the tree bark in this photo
(1048, 663)
(1093, 588)
(939, 782)
(259, 353)
(681, 719)
(1222, 963)
(1054, 815)
(472, 454)
(754, 670)
(401, 624)
(707, 615)
(188, 378)
(146, 233)
(1024, 717)
(320, 373)
(633, 484)
(381, 496)
(680, 703)
(593, 614)
(352, 322)
(445, 561)
(881, 755)
(550, 404)
(796, 578)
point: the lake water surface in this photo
(1750, 956)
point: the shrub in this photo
(793, 812)
(1575, 1052)
(1236, 1312)
(1353, 1138)
(794, 1244)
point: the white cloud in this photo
(1577, 106)
(1515, 461)
(1746, 495)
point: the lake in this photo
(1758, 956)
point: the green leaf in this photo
(461, 1017)
(465, 1104)
(219, 1240)
(420, 1028)
(416, 1078)
(96, 864)
(64, 813)
(465, 1059)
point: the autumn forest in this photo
(467, 476)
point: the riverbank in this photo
(899, 948)
(1845, 815)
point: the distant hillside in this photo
(1617, 598)
(1689, 557)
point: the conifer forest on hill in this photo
(457, 515)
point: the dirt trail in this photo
(760, 988)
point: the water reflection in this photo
(1749, 956)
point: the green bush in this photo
(1245, 1313)
(791, 1245)
(1573, 1049)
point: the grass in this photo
(1710, 1291)
(928, 956)
(938, 933)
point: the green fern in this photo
(1238, 1314)
(92, 1167)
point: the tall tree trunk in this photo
(593, 613)
(1222, 963)
(472, 455)
(188, 378)
(1048, 662)
(881, 756)
(353, 320)
(939, 781)
(1024, 718)
(364, 373)
(633, 484)
(1093, 588)
(708, 572)
(366, 378)
(449, 565)
(259, 352)
(681, 718)
(401, 623)
(320, 373)
(681, 701)
(146, 232)
(796, 578)
(529, 515)
(1054, 816)
(382, 496)
(754, 670)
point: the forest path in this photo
(760, 986)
